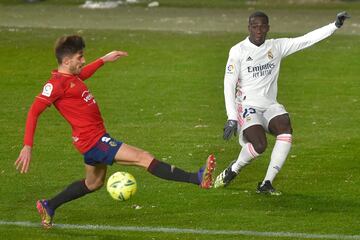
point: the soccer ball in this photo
(121, 186)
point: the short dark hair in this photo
(68, 46)
(259, 14)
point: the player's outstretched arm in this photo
(23, 161)
(113, 56)
(91, 68)
(340, 19)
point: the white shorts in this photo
(249, 116)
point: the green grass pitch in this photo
(167, 98)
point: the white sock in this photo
(247, 153)
(278, 156)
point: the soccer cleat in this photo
(45, 213)
(205, 173)
(225, 177)
(267, 188)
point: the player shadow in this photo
(314, 203)
(321, 202)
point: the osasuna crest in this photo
(112, 143)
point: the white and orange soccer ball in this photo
(121, 186)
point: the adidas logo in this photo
(249, 59)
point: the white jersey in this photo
(252, 71)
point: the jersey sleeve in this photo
(231, 76)
(288, 46)
(90, 69)
(52, 90)
(36, 109)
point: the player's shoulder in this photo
(277, 41)
(58, 79)
(237, 48)
(57, 83)
(272, 41)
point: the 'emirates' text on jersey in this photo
(253, 70)
(77, 105)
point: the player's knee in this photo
(144, 158)
(260, 147)
(284, 130)
(95, 185)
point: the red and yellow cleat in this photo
(205, 173)
(45, 214)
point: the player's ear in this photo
(65, 60)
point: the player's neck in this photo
(64, 70)
(256, 43)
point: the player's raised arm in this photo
(292, 45)
(88, 70)
(113, 56)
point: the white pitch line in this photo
(187, 230)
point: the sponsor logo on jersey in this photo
(261, 70)
(249, 59)
(270, 55)
(47, 90)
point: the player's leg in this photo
(94, 180)
(279, 126)
(129, 155)
(255, 144)
(252, 138)
(247, 153)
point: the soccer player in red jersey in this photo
(67, 91)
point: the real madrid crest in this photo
(270, 55)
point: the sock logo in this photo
(277, 168)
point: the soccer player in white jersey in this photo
(250, 88)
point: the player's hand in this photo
(230, 128)
(340, 18)
(113, 56)
(23, 161)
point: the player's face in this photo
(76, 62)
(258, 28)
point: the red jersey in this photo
(76, 104)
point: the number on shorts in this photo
(248, 111)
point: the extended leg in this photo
(129, 155)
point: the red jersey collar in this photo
(56, 74)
